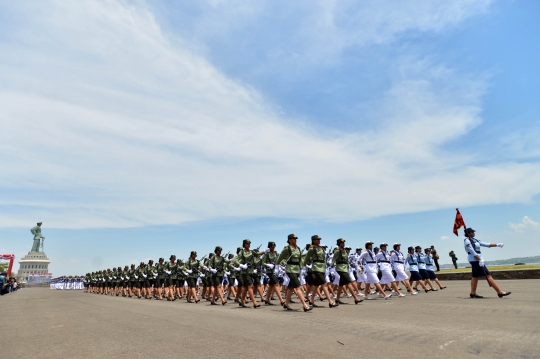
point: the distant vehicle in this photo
(519, 264)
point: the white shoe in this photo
(414, 293)
(369, 298)
(372, 292)
(361, 295)
(349, 296)
(401, 295)
(380, 295)
(387, 296)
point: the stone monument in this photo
(36, 261)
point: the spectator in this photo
(454, 258)
(2, 283)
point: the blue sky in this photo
(136, 130)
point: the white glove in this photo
(114, 277)
(271, 266)
(202, 275)
(267, 250)
(255, 271)
(136, 277)
(481, 263)
(500, 245)
(243, 266)
(155, 274)
(213, 270)
(168, 272)
(228, 273)
(309, 266)
(122, 278)
(189, 271)
(144, 275)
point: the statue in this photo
(36, 231)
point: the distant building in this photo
(33, 264)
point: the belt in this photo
(370, 262)
(384, 261)
(476, 252)
(398, 262)
(422, 262)
(294, 263)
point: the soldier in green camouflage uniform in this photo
(231, 277)
(125, 281)
(140, 278)
(316, 260)
(132, 280)
(216, 266)
(149, 273)
(181, 278)
(244, 260)
(269, 261)
(158, 283)
(341, 261)
(291, 256)
(169, 270)
(191, 268)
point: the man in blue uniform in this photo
(472, 247)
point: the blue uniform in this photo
(429, 263)
(413, 263)
(421, 260)
(472, 247)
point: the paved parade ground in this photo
(44, 323)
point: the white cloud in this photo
(444, 238)
(526, 224)
(108, 123)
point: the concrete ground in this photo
(44, 323)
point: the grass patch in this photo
(493, 268)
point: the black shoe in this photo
(282, 304)
(427, 290)
(242, 305)
(308, 309)
(286, 307)
(333, 305)
(292, 301)
(358, 301)
(476, 296)
(268, 303)
(313, 305)
(443, 288)
(223, 303)
(504, 295)
(197, 301)
(322, 299)
(213, 303)
(434, 290)
(256, 306)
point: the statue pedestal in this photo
(33, 263)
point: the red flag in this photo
(458, 222)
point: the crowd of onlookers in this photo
(8, 285)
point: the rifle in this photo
(223, 262)
(196, 267)
(252, 259)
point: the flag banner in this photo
(458, 222)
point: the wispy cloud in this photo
(526, 224)
(108, 122)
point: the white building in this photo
(33, 263)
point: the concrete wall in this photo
(500, 274)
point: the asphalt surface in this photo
(44, 323)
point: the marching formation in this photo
(311, 272)
(67, 283)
